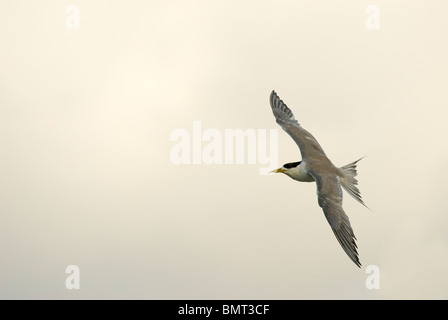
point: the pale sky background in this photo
(86, 177)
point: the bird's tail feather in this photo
(349, 182)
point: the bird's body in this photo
(315, 166)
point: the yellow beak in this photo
(279, 170)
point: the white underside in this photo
(299, 173)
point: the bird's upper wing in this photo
(329, 195)
(308, 145)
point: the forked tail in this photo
(349, 182)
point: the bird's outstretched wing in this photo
(329, 195)
(308, 145)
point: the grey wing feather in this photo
(282, 113)
(308, 145)
(329, 194)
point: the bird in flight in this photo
(315, 166)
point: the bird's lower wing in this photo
(329, 194)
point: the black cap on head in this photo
(291, 165)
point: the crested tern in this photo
(315, 166)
